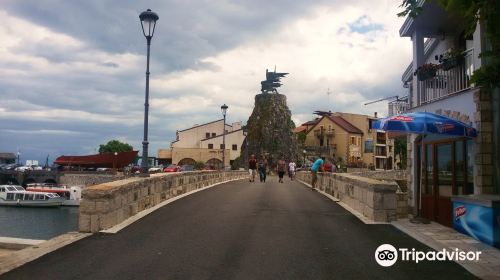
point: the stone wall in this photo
(88, 179)
(484, 169)
(106, 205)
(398, 176)
(383, 174)
(375, 199)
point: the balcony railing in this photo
(324, 150)
(446, 83)
(398, 107)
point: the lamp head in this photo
(148, 23)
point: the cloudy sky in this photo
(72, 73)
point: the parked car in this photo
(135, 169)
(187, 167)
(23, 168)
(102, 169)
(172, 168)
(12, 166)
(155, 169)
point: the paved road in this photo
(240, 230)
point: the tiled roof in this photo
(300, 129)
(220, 135)
(203, 125)
(313, 122)
(347, 126)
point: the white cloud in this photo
(57, 83)
(316, 55)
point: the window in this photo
(207, 135)
(2, 189)
(214, 134)
(353, 140)
(222, 146)
(329, 127)
(10, 196)
(369, 146)
(235, 147)
(210, 146)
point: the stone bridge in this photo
(28, 177)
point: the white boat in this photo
(71, 195)
(12, 195)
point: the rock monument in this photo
(269, 128)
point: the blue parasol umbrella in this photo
(424, 123)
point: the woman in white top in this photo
(291, 169)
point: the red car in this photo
(172, 168)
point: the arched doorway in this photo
(214, 163)
(186, 161)
(50, 181)
(28, 181)
(12, 181)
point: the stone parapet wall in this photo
(383, 174)
(375, 199)
(402, 205)
(106, 205)
(88, 179)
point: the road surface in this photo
(240, 230)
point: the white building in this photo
(205, 143)
(443, 166)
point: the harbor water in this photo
(37, 223)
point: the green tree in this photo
(115, 146)
(301, 137)
(485, 12)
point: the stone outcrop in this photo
(269, 129)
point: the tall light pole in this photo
(148, 24)
(224, 110)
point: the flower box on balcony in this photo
(426, 71)
(451, 58)
(450, 63)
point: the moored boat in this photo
(71, 195)
(13, 195)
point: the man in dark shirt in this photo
(263, 168)
(252, 166)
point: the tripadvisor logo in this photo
(387, 255)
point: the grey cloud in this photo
(186, 31)
(110, 64)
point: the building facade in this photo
(347, 138)
(205, 143)
(441, 167)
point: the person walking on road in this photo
(317, 166)
(252, 167)
(291, 169)
(262, 168)
(281, 168)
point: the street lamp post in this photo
(246, 145)
(224, 110)
(114, 161)
(148, 24)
